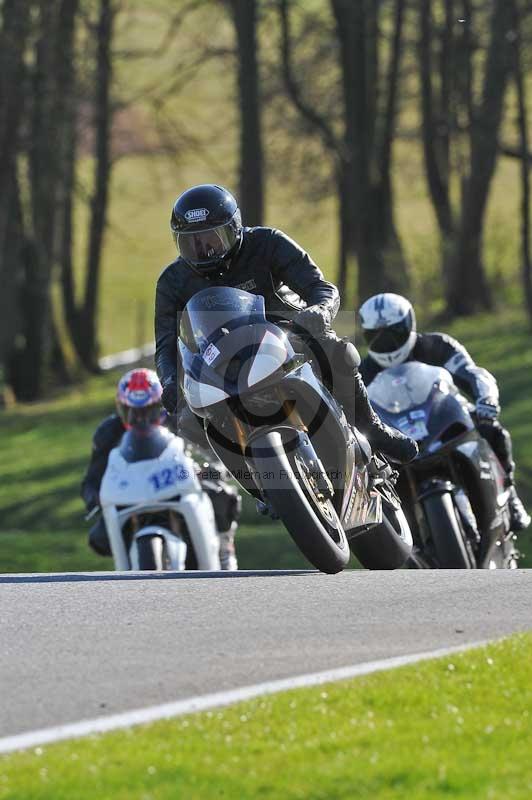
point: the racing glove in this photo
(314, 319)
(487, 409)
(169, 396)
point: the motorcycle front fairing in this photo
(228, 348)
(132, 480)
(422, 402)
(137, 481)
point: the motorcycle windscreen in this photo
(214, 309)
(143, 445)
(405, 386)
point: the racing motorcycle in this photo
(455, 492)
(157, 515)
(272, 422)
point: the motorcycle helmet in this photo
(138, 399)
(207, 228)
(389, 326)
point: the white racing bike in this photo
(157, 515)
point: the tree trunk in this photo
(437, 122)
(10, 265)
(66, 193)
(33, 359)
(468, 289)
(103, 119)
(251, 151)
(13, 36)
(68, 284)
(343, 234)
(371, 231)
(436, 165)
(522, 124)
(396, 268)
(351, 30)
(336, 149)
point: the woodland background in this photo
(390, 137)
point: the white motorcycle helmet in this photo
(389, 324)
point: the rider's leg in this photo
(501, 443)
(348, 388)
(227, 505)
(228, 559)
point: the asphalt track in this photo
(80, 646)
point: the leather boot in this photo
(228, 560)
(359, 412)
(519, 517)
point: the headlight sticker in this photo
(210, 354)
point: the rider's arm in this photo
(167, 313)
(106, 436)
(444, 351)
(295, 268)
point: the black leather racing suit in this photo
(271, 264)
(224, 497)
(477, 383)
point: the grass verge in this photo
(457, 727)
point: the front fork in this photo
(462, 505)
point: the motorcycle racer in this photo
(389, 325)
(215, 249)
(138, 402)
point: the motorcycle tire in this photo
(150, 551)
(324, 544)
(446, 532)
(385, 546)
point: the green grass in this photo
(458, 727)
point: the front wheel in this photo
(150, 553)
(310, 519)
(446, 532)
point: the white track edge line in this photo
(141, 716)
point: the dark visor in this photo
(203, 247)
(147, 415)
(389, 338)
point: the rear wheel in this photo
(150, 550)
(308, 515)
(386, 546)
(446, 532)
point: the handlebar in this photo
(92, 513)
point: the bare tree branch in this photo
(522, 124)
(516, 152)
(307, 110)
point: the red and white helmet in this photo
(138, 398)
(389, 325)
